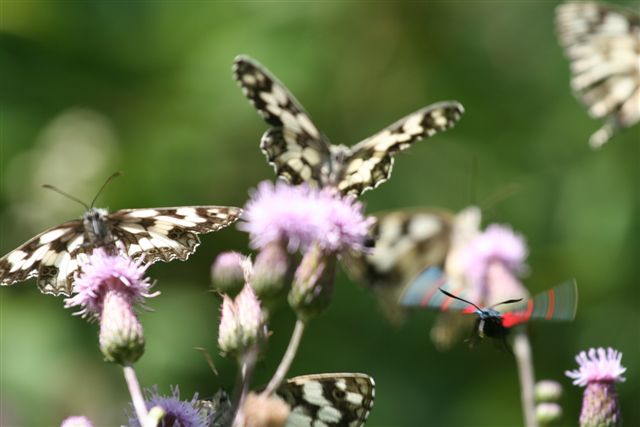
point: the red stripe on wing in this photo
(512, 319)
(552, 304)
(427, 297)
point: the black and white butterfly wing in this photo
(603, 46)
(52, 256)
(369, 163)
(294, 146)
(161, 234)
(165, 234)
(328, 400)
(406, 242)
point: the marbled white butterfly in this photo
(300, 153)
(317, 400)
(158, 234)
(603, 45)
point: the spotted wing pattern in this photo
(293, 145)
(328, 400)
(162, 234)
(301, 154)
(369, 162)
(406, 241)
(602, 44)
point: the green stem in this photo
(522, 352)
(136, 393)
(287, 359)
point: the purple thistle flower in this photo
(76, 421)
(599, 370)
(301, 215)
(178, 413)
(102, 272)
(497, 244)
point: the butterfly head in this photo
(95, 226)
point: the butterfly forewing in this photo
(161, 234)
(293, 146)
(301, 154)
(328, 400)
(369, 163)
(603, 45)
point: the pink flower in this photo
(598, 366)
(301, 215)
(102, 272)
(76, 421)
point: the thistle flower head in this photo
(300, 216)
(102, 272)
(76, 421)
(598, 365)
(227, 272)
(183, 413)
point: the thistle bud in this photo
(548, 391)
(313, 283)
(242, 323)
(270, 271)
(121, 335)
(227, 273)
(265, 411)
(548, 413)
(76, 421)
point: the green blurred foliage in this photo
(145, 87)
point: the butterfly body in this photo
(300, 153)
(158, 234)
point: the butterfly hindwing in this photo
(369, 163)
(328, 400)
(602, 43)
(160, 234)
(294, 145)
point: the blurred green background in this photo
(89, 88)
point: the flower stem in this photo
(522, 352)
(247, 364)
(287, 359)
(136, 393)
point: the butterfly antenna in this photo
(115, 175)
(458, 298)
(509, 301)
(69, 196)
(499, 195)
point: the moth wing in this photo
(51, 256)
(293, 146)
(369, 162)
(332, 400)
(165, 234)
(557, 304)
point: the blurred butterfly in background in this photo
(153, 234)
(602, 43)
(559, 304)
(299, 153)
(327, 400)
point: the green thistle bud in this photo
(548, 391)
(270, 272)
(121, 334)
(227, 272)
(313, 283)
(548, 413)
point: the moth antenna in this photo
(458, 298)
(115, 175)
(509, 301)
(208, 358)
(67, 195)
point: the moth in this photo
(300, 153)
(559, 304)
(153, 234)
(327, 400)
(602, 43)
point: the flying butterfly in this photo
(558, 304)
(153, 234)
(602, 43)
(300, 153)
(327, 400)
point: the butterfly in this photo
(405, 242)
(603, 45)
(559, 303)
(152, 234)
(299, 153)
(328, 400)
